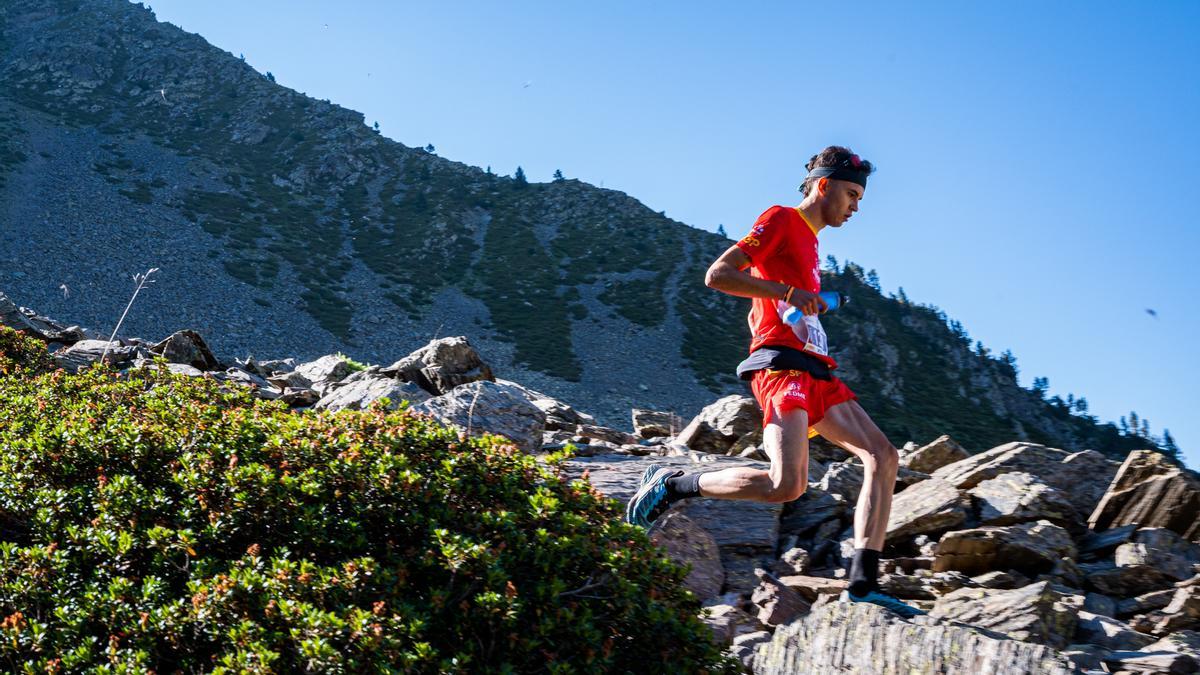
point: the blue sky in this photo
(1037, 162)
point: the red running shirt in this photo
(782, 247)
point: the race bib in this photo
(809, 331)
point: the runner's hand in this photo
(809, 303)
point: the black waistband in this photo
(771, 357)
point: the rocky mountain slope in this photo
(285, 226)
(1027, 557)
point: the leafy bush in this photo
(149, 521)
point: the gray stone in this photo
(1029, 548)
(442, 365)
(488, 407)
(690, 544)
(721, 424)
(324, 372)
(1106, 632)
(559, 415)
(931, 457)
(1080, 476)
(1035, 613)
(727, 622)
(844, 637)
(1099, 544)
(1145, 602)
(43, 328)
(1123, 581)
(592, 432)
(84, 353)
(1019, 497)
(777, 603)
(813, 508)
(1001, 579)
(359, 395)
(1150, 662)
(929, 507)
(1161, 549)
(1151, 491)
(186, 346)
(1098, 603)
(652, 423)
(1183, 642)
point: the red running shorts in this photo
(785, 390)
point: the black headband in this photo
(851, 174)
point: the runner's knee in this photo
(885, 457)
(786, 491)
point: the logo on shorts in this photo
(794, 390)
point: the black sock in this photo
(682, 486)
(864, 571)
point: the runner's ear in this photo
(822, 185)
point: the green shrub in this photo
(20, 354)
(149, 521)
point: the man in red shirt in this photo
(790, 370)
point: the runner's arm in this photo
(727, 274)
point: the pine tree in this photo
(270, 76)
(1041, 385)
(519, 176)
(1168, 444)
(832, 263)
(558, 175)
(873, 279)
(1134, 423)
(903, 297)
(1124, 426)
(721, 231)
(1081, 405)
(489, 169)
(430, 149)
(376, 126)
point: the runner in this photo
(790, 373)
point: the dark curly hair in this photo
(834, 155)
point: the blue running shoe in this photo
(887, 602)
(650, 501)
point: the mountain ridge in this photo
(289, 227)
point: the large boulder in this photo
(361, 393)
(84, 353)
(1123, 581)
(186, 346)
(1161, 549)
(489, 407)
(1081, 477)
(441, 365)
(777, 602)
(322, 373)
(1036, 613)
(1181, 642)
(929, 507)
(47, 330)
(1152, 491)
(654, 424)
(559, 415)
(931, 457)
(1019, 497)
(1030, 548)
(843, 637)
(846, 479)
(721, 424)
(746, 532)
(690, 544)
(1107, 632)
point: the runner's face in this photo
(841, 201)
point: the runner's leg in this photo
(785, 441)
(850, 427)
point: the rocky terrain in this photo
(1027, 557)
(284, 224)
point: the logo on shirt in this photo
(795, 390)
(752, 238)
